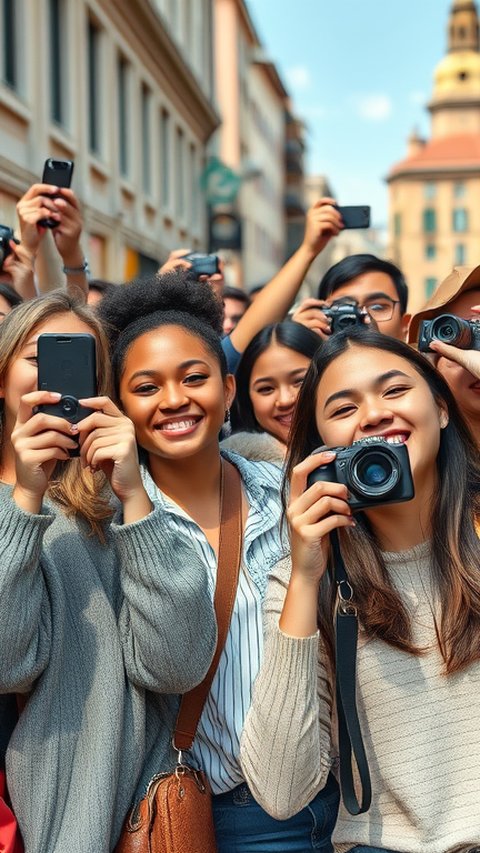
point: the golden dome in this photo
(458, 75)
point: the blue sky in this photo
(360, 73)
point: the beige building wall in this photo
(251, 140)
(427, 257)
(133, 106)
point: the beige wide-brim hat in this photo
(459, 281)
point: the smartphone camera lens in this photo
(69, 406)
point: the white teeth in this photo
(172, 426)
(396, 439)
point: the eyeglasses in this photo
(380, 309)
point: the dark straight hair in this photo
(354, 265)
(456, 505)
(287, 334)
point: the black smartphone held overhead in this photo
(355, 216)
(67, 365)
(58, 173)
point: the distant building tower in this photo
(434, 221)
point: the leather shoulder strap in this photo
(229, 558)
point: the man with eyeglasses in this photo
(375, 286)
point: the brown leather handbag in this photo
(175, 816)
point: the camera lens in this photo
(343, 321)
(374, 472)
(69, 406)
(452, 330)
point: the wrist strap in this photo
(349, 731)
(229, 558)
(77, 270)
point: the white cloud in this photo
(373, 107)
(299, 77)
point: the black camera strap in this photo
(349, 732)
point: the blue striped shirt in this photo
(217, 742)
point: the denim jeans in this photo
(242, 826)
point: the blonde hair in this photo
(75, 489)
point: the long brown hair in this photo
(455, 544)
(75, 489)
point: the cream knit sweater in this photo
(421, 728)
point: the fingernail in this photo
(73, 428)
(352, 523)
(55, 394)
(329, 454)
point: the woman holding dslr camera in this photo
(413, 571)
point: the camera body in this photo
(355, 215)
(6, 234)
(374, 471)
(342, 316)
(449, 329)
(203, 264)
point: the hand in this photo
(39, 441)
(312, 514)
(108, 443)
(19, 266)
(323, 222)
(36, 204)
(309, 314)
(69, 229)
(469, 359)
(176, 261)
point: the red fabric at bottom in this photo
(10, 841)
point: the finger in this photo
(326, 525)
(46, 438)
(303, 469)
(69, 196)
(316, 492)
(452, 353)
(39, 189)
(35, 398)
(111, 435)
(324, 200)
(102, 404)
(323, 508)
(48, 454)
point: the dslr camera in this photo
(449, 329)
(374, 471)
(342, 315)
(202, 264)
(6, 234)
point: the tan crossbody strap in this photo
(228, 568)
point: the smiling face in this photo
(465, 386)
(369, 392)
(173, 391)
(275, 382)
(21, 375)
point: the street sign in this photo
(219, 182)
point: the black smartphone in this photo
(59, 174)
(355, 216)
(203, 264)
(67, 364)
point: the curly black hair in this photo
(173, 299)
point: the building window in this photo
(123, 147)
(429, 190)
(430, 251)
(9, 69)
(397, 224)
(146, 140)
(460, 220)
(430, 285)
(58, 64)
(460, 257)
(194, 189)
(166, 158)
(180, 173)
(94, 87)
(459, 190)
(429, 220)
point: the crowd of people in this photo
(111, 528)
